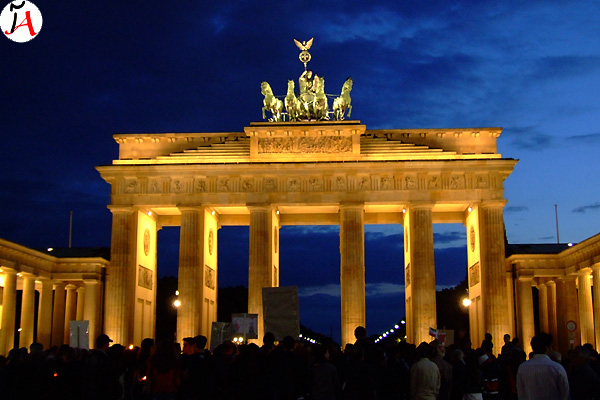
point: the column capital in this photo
(59, 284)
(91, 281)
(352, 205)
(584, 271)
(419, 205)
(9, 271)
(259, 206)
(115, 209)
(70, 286)
(596, 268)
(188, 208)
(493, 203)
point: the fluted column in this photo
(586, 311)
(352, 269)
(9, 302)
(260, 265)
(80, 303)
(120, 277)
(566, 310)
(596, 296)
(91, 309)
(493, 282)
(543, 307)
(27, 311)
(70, 311)
(420, 272)
(58, 315)
(552, 324)
(44, 328)
(191, 267)
(525, 320)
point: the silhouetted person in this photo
(540, 377)
(100, 379)
(425, 378)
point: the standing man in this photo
(425, 378)
(540, 377)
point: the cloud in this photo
(585, 209)
(449, 237)
(551, 68)
(515, 209)
(528, 137)
(591, 138)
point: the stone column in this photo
(58, 315)
(80, 303)
(543, 307)
(586, 311)
(552, 327)
(9, 302)
(566, 310)
(120, 276)
(261, 259)
(420, 272)
(44, 329)
(27, 311)
(511, 303)
(91, 309)
(596, 297)
(191, 268)
(352, 270)
(70, 311)
(525, 320)
(493, 268)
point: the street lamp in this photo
(466, 302)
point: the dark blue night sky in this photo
(100, 68)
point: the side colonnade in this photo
(66, 288)
(565, 278)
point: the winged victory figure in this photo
(304, 46)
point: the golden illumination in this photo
(466, 302)
(176, 303)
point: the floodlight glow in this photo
(466, 302)
(177, 303)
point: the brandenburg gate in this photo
(304, 173)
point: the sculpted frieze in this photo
(386, 183)
(270, 184)
(457, 182)
(176, 186)
(340, 183)
(410, 182)
(298, 145)
(200, 186)
(293, 185)
(224, 185)
(363, 183)
(154, 187)
(433, 183)
(247, 185)
(132, 187)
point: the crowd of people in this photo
(295, 370)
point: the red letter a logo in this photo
(26, 22)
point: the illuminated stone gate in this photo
(304, 173)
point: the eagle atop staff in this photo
(304, 46)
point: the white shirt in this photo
(425, 380)
(542, 378)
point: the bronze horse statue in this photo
(271, 103)
(342, 103)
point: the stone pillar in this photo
(525, 320)
(552, 326)
(91, 309)
(352, 269)
(44, 328)
(80, 303)
(586, 311)
(493, 269)
(510, 288)
(27, 311)
(58, 315)
(420, 272)
(543, 307)
(191, 268)
(262, 259)
(596, 296)
(70, 311)
(120, 276)
(566, 310)
(9, 302)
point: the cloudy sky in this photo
(99, 68)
